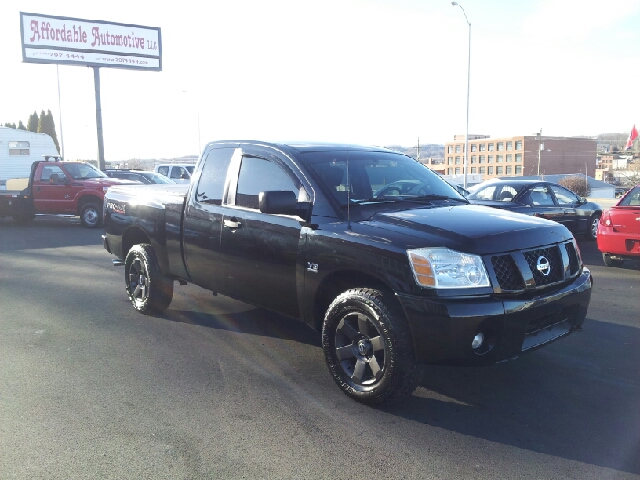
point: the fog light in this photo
(478, 340)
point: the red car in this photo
(619, 230)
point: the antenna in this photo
(348, 196)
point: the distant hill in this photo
(430, 150)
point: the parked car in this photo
(138, 176)
(619, 230)
(58, 188)
(541, 199)
(392, 281)
(178, 172)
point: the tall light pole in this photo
(466, 136)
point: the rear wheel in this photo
(368, 348)
(91, 216)
(611, 262)
(594, 220)
(148, 289)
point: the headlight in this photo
(444, 268)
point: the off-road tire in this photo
(384, 367)
(148, 289)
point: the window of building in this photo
(450, 149)
(518, 157)
(518, 169)
(473, 159)
(474, 147)
(499, 158)
(499, 170)
(483, 147)
(482, 169)
(481, 160)
(18, 148)
(473, 169)
(458, 160)
(449, 171)
(490, 170)
(500, 146)
(449, 160)
(490, 159)
(457, 148)
(490, 147)
(457, 170)
(509, 146)
(508, 169)
(509, 157)
(519, 145)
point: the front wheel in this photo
(367, 346)
(148, 289)
(594, 220)
(91, 216)
(611, 262)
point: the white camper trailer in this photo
(19, 149)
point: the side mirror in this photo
(283, 203)
(582, 200)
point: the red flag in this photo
(632, 136)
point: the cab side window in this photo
(564, 196)
(163, 171)
(45, 173)
(214, 173)
(260, 175)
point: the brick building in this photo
(518, 156)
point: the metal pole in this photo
(539, 149)
(466, 136)
(60, 112)
(96, 81)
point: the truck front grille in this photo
(537, 268)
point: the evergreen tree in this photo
(32, 123)
(21, 126)
(46, 125)
(10, 125)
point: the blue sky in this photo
(378, 72)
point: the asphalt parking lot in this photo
(214, 388)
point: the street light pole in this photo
(466, 136)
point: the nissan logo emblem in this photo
(543, 265)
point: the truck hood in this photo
(470, 228)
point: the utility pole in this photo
(539, 135)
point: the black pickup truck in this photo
(364, 244)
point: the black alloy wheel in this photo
(148, 289)
(368, 348)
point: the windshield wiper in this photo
(373, 200)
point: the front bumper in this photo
(443, 329)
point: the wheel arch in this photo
(133, 236)
(340, 281)
(89, 198)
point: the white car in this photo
(178, 172)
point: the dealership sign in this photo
(73, 41)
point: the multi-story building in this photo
(521, 155)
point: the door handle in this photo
(233, 223)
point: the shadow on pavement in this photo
(46, 231)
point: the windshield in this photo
(503, 192)
(81, 171)
(376, 177)
(157, 178)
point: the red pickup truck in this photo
(56, 187)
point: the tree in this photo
(47, 125)
(21, 126)
(577, 184)
(32, 123)
(10, 125)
